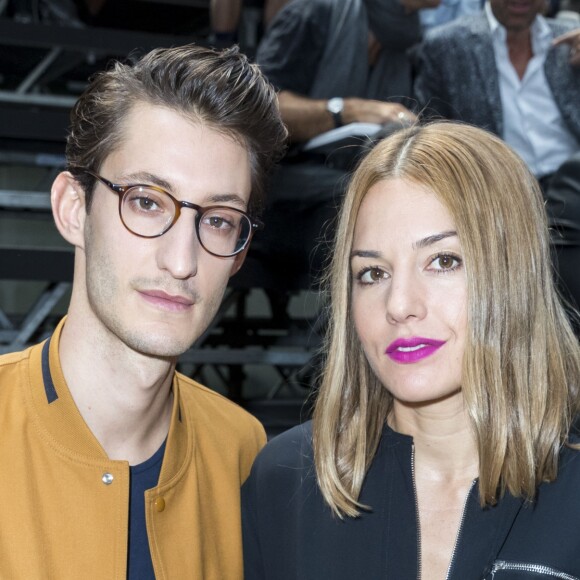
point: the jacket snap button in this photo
(159, 504)
(107, 478)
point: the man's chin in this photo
(520, 23)
(159, 346)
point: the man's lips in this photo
(172, 302)
(519, 7)
(413, 349)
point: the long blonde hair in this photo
(521, 368)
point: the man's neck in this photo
(124, 397)
(519, 45)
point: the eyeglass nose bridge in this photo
(189, 204)
(199, 211)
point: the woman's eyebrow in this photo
(364, 254)
(422, 243)
(430, 240)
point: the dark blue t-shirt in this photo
(143, 477)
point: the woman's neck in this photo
(444, 442)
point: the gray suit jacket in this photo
(457, 77)
(319, 48)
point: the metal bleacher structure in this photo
(43, 68)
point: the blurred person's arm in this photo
(306, 118)
(572, 39)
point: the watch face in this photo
(335, 105)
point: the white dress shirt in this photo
(532, 123)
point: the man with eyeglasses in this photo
(113, 465)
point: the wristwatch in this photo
(335, 107)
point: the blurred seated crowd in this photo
(509, 66)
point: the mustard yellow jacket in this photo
(65, 504)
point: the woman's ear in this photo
(68, 208)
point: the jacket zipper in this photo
(537, 568)
(460, 529)
(417, 514)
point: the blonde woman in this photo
(440, 445)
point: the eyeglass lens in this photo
(149, 213)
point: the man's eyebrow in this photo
(234, 198)
(430, 240)
(146, 178)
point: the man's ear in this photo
(68, 208)
(239, 260)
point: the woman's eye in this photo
(445, 262)
(371, 275)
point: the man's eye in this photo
(219, 221)
(141, 200)
(216, 222)
(145, 203)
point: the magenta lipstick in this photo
(412, 349)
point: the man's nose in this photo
(179, 249)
